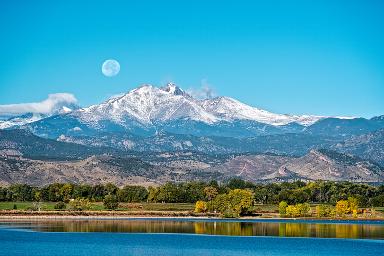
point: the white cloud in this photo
(204, 92)
(47, 106)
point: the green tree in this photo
(221, 203)
(169, 193)
(153, 194)
(283, 208)
(132, 194)
(21, 192)
(304, 209)
(53, 192)
(210, 194)
(111, 188)
(110, 202)
(378, 201)
(236, 183)
(324, 211)
(240, 200)
(82, 191)
(66, 192)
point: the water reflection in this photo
(283, 229)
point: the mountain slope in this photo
(330, 165)
(344, 127)
(316, 165)
(15, 120)
(229, 109)
(290, 143)
(368, 146)
(91, 170)
(32, 146)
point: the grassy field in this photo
(160, 207)
(46, 206)
(98, 206)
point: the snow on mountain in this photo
(7, 121)
(148, 105)
(230, 109)
(19, 120)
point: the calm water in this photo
(288, 228)
(190, 237)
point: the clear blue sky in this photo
(317, 57)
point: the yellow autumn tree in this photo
(342, 208)
(353, 204)
(292, 211)
(200, 207)
(240, 200)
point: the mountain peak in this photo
(172, 88)
(143, 87)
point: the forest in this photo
(322, 192)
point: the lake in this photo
(190, 237)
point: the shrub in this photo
(229, 213)
(324, 211)
(303, 209)
(79, 204)
(60, 206)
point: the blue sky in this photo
(317, 57)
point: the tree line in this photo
(298, 192)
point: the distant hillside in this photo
(32, 146)
(368, 146)
(290, 143)
(91, 170)
(316, 165)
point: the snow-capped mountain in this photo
(7, 121)
(230, 109)
(148, 110)
(148, 105)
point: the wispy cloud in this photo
(205, 91)
(47, 106)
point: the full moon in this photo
(110, 68)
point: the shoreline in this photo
(182, 215)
